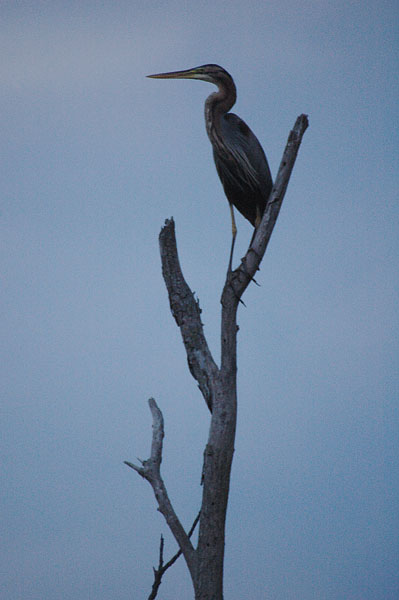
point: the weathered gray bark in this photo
(217, 384)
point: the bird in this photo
(239, 158)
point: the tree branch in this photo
(187, 314)
(151, 471)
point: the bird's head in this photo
(211, 73)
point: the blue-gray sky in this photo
(94, 158)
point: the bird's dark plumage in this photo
(243, 169)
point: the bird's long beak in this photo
(187, 74)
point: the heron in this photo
(239, 158)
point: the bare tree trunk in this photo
(218, 386)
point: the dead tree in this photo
(218, 387)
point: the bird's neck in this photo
(217, 105)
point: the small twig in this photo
(158, 573)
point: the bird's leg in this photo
(258, 219)
(231, 252)
(234, 233)
(229, 270)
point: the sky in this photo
(94, 158)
